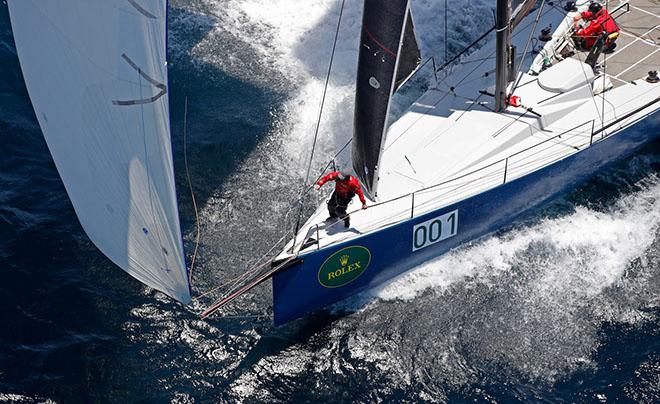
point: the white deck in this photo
(453, 138)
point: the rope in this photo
(253, 268)
(446, 33)
(440, 185)
(593, 97)
(331, 163)
(318, 121)
(467, 48)
(238, 292)
(192, 193)
(529, 41)
(436, 186)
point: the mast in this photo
(503, 53)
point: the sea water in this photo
(560, 306)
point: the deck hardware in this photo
(546, 34)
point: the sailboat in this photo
(525, 118)
(96, 72)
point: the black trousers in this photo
(337, 205)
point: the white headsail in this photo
(97, 77)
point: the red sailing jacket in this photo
(345, 189)
(600, 22)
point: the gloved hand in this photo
(317, 187)
(364, 206)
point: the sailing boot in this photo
(610, 47)
(347, 221)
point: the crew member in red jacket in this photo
(346, 186)
(600, 21)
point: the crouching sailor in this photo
(346, 186)
(600, 21)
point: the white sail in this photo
(97, 77)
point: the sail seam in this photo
(162, 87)
(142, 10)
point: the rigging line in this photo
(529, 40)
(562, 155)
(604, 89)
(471, 45)
(331, 162)
(256, 265)
(452, 88)
(245, 288)
(589, 86)
(521, 29)
(263, 262)
(456, 187)
(446, 34)
(233, 282)
(318, 122)
(438, 186)
(192, 193)
(467, 48)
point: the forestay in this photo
(97, 76)
(388, 54)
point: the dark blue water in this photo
(564, 306)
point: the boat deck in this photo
(639, 41)
(460, 147)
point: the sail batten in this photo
(96, 73)
(388, 55)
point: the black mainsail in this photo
(388, 55)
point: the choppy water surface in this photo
(562, 306)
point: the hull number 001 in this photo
(435, 230)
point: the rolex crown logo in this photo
(344, 266)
